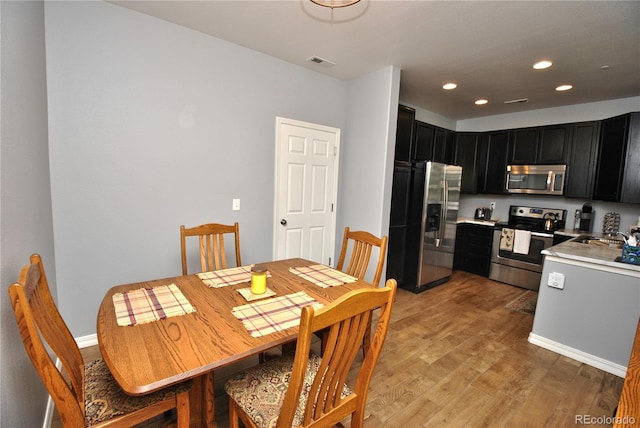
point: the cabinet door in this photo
(553, 144)
(523, 146)
(631, 178)
(444, 142)
(467, 153)
(423, 141)
(473, 248)
(404, 133)
(495, 168)
(581, 162)
(400, 193)
(611, 156)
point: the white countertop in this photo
(595, 254)
(491, 222)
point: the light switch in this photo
(556, 280)
(236, 205)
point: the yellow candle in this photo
(258, 279)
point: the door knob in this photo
(283, 222)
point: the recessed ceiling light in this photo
(564, 87)
(541, 65)
(481, 102)
(449, 86)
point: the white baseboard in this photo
(83, 342)
(576, 354)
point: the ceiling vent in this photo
(521, 100)
(321, 61)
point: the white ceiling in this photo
(486, 47)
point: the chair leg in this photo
(233, 414)
(182, 409)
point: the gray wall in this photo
(365, 191)
(25, 198)
(153, 125)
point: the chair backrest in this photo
(362, 244)
(212, 252)
(38, 318)
(347, 319)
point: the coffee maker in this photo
(586, 217)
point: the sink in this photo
(602, 242)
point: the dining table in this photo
(209, 325)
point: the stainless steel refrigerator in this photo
(432, 225)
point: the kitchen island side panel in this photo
(596, 313)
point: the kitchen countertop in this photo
(595, 254)
(491, 222)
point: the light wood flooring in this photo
(456, 357)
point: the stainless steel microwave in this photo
(536, 179)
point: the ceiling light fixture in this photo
(333, 4)
(541, 65)
(449, 86)
(564, 87)
(481, 102)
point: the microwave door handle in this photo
(551, 178)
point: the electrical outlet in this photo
(492, 205)
(236, 205)
(556, 280)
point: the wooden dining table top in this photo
(147, 357)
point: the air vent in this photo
(321, 61)
(521, 100)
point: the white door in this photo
(306, 188)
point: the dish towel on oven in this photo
(230, 276)
(506, 239)
(521, 241)
(150, 304)
(272, 315)
(323, 276)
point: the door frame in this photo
(277, 186)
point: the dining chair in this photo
(308, 390)
(212, 250)
(362, 244)
(84, 394)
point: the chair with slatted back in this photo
(212, 249)
(307, 390)
(362, 244)
(84, 394)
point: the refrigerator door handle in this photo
(442, 231)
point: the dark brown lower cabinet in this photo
(473, 248)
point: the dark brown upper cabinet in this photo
(469, 149)
(617, 177)
(423, 141)
(444, 146)
(492, 172)
(539, 145)
(581, 160)
(404, 133)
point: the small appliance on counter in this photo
(586, 217)
(482, 213)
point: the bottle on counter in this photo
(576, 224)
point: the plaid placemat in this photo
(323, 276)
(230, 276)
(150, 304)
(272, 315)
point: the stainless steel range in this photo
(516, 257)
